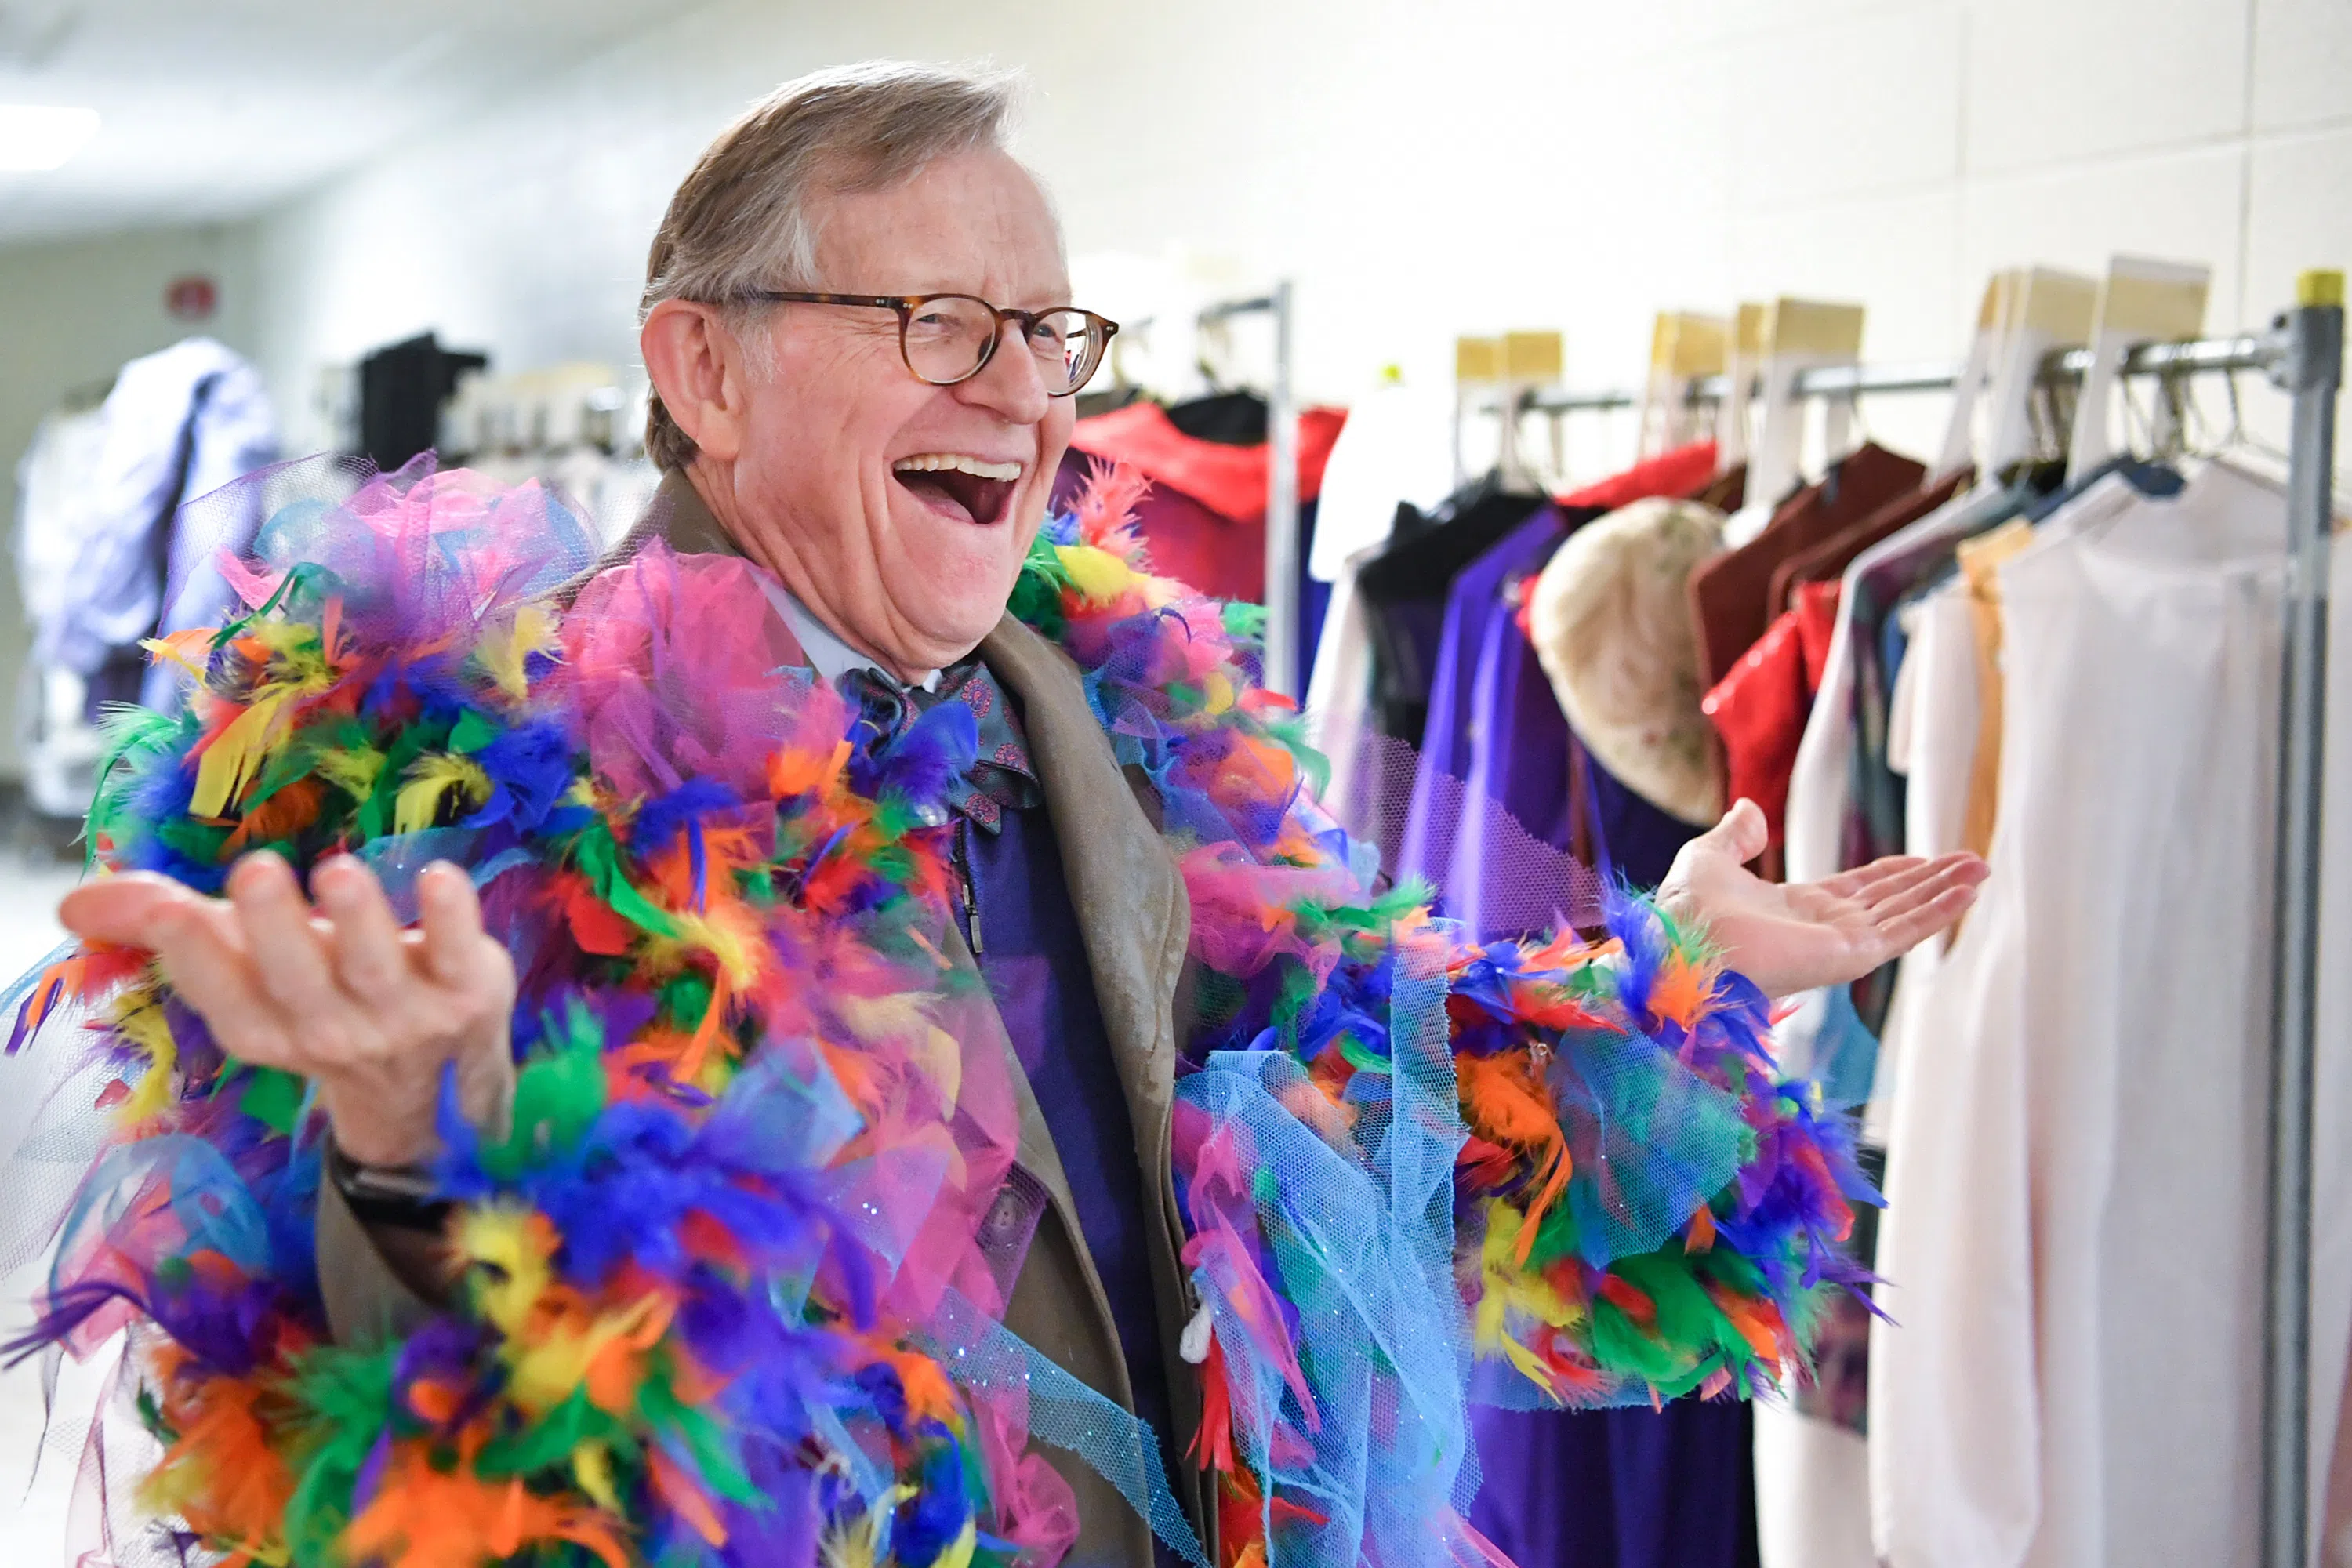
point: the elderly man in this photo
(856, 318)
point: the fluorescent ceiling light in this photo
(37, 136)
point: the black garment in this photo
(1404, 588)
(402, 389)
(1228, 418)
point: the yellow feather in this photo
(959, 1550)
(1095, 574)
(504, 1238)
(353, 771)
(543, 1375)
(181, 648)
(593, 1468)
(237, 753)
(430, 778)
(138, 1018)
(1510, 1287)
(858, 1542)
(722, 942)
(505, 650)
(877, 1019)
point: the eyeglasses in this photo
(948, 337)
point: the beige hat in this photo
(1611, 618)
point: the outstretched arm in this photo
(335, 992)
(1792, 937)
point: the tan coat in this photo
(1131, 905)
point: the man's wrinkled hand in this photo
(1788, 938)
(336, 991)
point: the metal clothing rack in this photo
(1281, 556)
(2302, 355)
(2249, 352)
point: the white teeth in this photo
(956, 462)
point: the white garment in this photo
(64, 449)
(829, 653)
(1340, 693)
(1813, 1487)
(1931, 740)
(1397, 446)
(179, 424)
(1744, 525)
(2076, 1148)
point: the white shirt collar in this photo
(827, 653)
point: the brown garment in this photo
(1730, 595)
(1727, 491)
(1828, 558)
(1132, 907)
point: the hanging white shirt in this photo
(2077, 1134)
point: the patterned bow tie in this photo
(1002, 779)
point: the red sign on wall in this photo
(191, 299)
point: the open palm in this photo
(1792, 937)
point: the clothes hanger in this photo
(1743, 348)
(2140, 301)
(1800, 335)
(1685, 347)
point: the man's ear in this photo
(697, 365)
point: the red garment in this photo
(1228, 481)
(1729, 593)
(1816, 611)
(1760, 706)
(1188, 542)
(1684, 471)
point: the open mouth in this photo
(968, 490)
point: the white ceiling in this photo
(215, 108)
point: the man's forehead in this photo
(974, 223)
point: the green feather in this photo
(704, 1439)
(345, 1397)
(598, 855)
(273, 1098)
(559, 1093)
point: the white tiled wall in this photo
(1424, 168)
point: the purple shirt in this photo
(1034, 957)
(1607, 1489)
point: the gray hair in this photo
(741, 219)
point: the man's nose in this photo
(1011, 385)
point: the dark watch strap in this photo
(399, 1197)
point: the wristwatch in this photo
(401, 1196)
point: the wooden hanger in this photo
(1742, 353)
(1800, 335)
(2141, 302)
(2048, 311)
(1975, 381)
(1685, 347)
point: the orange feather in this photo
(685, 1499)
(282, 815)
(426, 1517)
(1680, 991)
(1505, 1104)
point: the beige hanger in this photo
(1800, 335)
(2141, 302)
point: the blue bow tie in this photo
(1002, 779)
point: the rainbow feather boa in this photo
(719, 1278)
